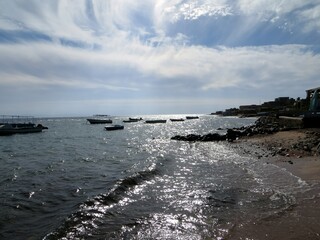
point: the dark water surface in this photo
(78, 181)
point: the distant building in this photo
(284, 106)
(282, 100)
(231, 112)
(249, 109)
(217, 113)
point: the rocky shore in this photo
(278, 137)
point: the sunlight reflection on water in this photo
(139, 184)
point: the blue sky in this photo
(84, 57)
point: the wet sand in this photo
(279, 149)
(302, 220)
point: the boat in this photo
(98, 120)
(10, 129)
(10, 125)
(129, 121)
(156, 121)
(135, 119)
(192, 117)
(114, 127)
(132, 120)
(176, 119)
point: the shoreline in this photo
(292, 150)
(301, 220)
(279, 140)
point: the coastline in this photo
(279, 140)
(301, 220)
(283, 143)
(297, 150)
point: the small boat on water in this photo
(114, 127)
(98, 120)
(156, 121)
(132, 120)
(192, 117)
(10, 125)
(135, 119)
(176, 119)
(129, 121)
(10, 129)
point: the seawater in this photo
(78, 181)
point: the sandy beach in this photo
(289, 150)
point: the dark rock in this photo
(213, 137)
(205, 138)
(233, 135)
(306, 148)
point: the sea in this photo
(79, 181)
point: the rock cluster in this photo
(231, 135)
(264, 125)
(203, 138)
(309, 145)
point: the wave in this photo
(91, 212)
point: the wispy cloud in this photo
(175, 50)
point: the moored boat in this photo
(98, 120)
(135, 119)
(132, 120)
(114, 127)
(192, 117)
(176, 119)
(10, 125)
(156, 121)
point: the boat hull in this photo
(131, 120)
(98, 121)
(113, 128)
(8, 129)
(156, 121)
(192, 117)
(177, 120)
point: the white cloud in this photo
(137, 54)
(311, 18)
(195, 9)
(44, 64)
(304, 12)
(252, 7)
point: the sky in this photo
(84, 57)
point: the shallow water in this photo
(77, 181)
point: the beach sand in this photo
(280, 149)
(289, 150)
